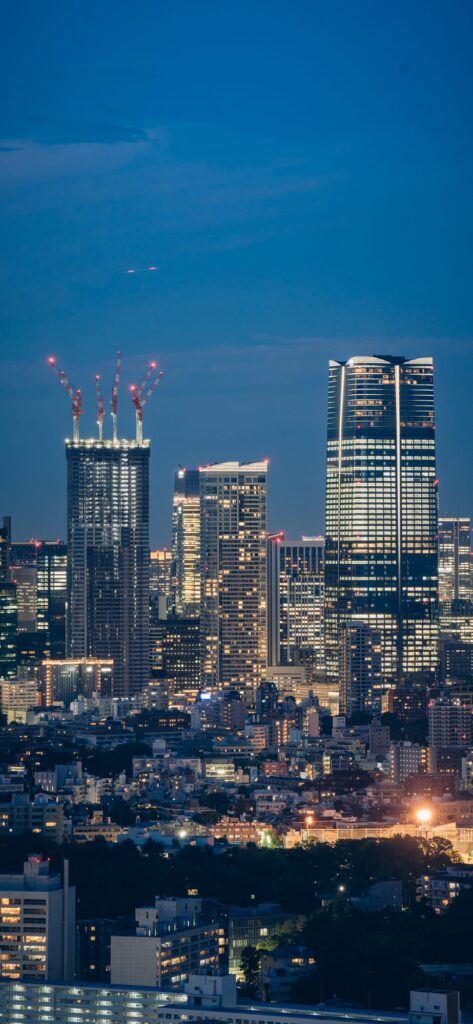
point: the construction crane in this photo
(75, 394)
(114, 402)
(140, 395)
(100, 405)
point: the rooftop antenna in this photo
(75, 394)
(140, 396)
(114, 403)
(100, 405)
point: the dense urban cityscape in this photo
(236, 547)
(242, 757)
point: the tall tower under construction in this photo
(108, 543)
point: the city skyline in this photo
(302, 513)
(316, 207)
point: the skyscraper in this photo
(186, 543)
(381, 512)
(233, 575)
(51, 595)
(160, 570)
(108, 566)
(108, 537)
(360, 668)
(8, 606)
(455, 570)
(295, 600)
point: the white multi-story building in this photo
(171, 942)
(37, 924)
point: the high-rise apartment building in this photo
(37, 925)
(233, 575)
(108, 564)
(455, 565)
(186, 543)
(360, 668)
(295, 600)
(381, 512)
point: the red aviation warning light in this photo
(75, 395)
(141, 393)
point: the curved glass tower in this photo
(381, 512)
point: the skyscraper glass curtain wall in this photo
(381, 512)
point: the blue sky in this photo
(301, 174)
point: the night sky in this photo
(300, 172)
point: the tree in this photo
(249, 966)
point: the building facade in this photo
(108, 569)
(160, 583)
(51, 595)
(455, 574)
(233, 618)
(360, 668)
(37, 925)
(295, 601)
(381, 512)
(63, 681)
(171, 942)
(186, 544)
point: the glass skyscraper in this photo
(381, 512)
(108, 565)
(295, 600)
(455, 572)
(233, 575)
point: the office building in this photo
(406, 759)
(295, 601)
(8, 630)
(62, 681)
(204, 998)
(171, 942)
(24, 578)
(233, 618)
(17, 696)
(186, 544)
(455, 564)
(5, 550)
(360, 668)
(8, 606)
(108, 565)
(160, 583)
(175, 655)
(37, 924)
(381, 512)
(251, 926)
(51, 595)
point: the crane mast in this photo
(100, 405)
(75, 394)
(140, 396)
(114, 402)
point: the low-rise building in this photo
(172, 940)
